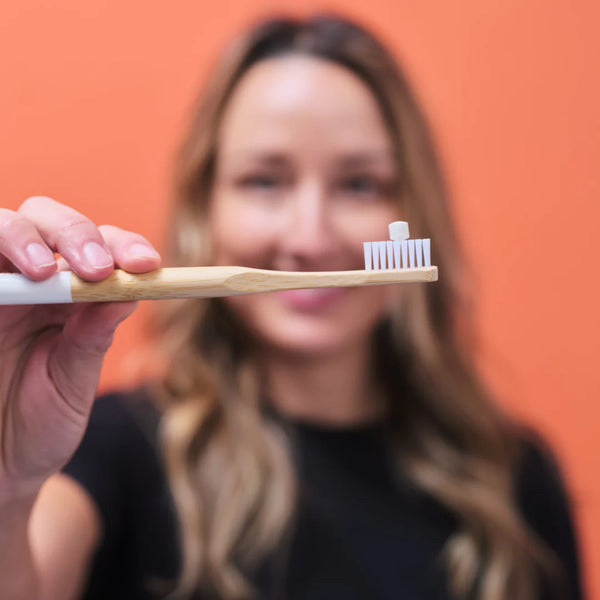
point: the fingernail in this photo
(97, 256)
(39, 255)
(142, 251)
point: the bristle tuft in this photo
(397, 254)
(390, 254)
(397, 261)
(382, 254)
(419, 252)
(367, 251)
(427, 252)
(411, 253)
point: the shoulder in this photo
(121, 422)
(546, 503)
(116, 413)
(539, 485)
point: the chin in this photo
(307, 343)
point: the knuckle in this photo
(8, 218)
(35, 202)
(93, 347)
(116, 235)
(109, 231)
(77, 224)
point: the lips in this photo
(312, 300)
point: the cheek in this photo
(369, 306)
(365, 223)
(241, 234)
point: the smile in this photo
(312, 300)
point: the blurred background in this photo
(94, 97)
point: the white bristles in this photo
(427, 252)
(398, 252)
(375, 255)
(382, 253)
(367, 250)
(404, 244)
(397, 262)
(390, 254)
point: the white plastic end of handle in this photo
(398, 231)
(17, 289)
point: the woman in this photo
(313, 444)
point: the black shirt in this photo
(358, 533)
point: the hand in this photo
(51, 356)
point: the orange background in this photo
(94, 96)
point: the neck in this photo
(338, 389)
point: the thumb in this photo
(75, 361)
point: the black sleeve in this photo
(546, 506)
(96, 464)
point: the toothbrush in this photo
(207, 282)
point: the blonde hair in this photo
(229, 467)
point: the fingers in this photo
(71, 234)
(131, 251)
(29, 237)
(23, 246)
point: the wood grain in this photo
(207, 282)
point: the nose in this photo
(309, 235)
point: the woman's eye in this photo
(260, 182)
(360, 185)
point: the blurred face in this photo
(304, 175)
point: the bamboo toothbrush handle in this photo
(191, 282)
(180, 282)
(206, 282)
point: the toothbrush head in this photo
(398, 252)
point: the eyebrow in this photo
(348, 160)
(265, 157)
(361, 159)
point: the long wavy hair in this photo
(229, 466)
